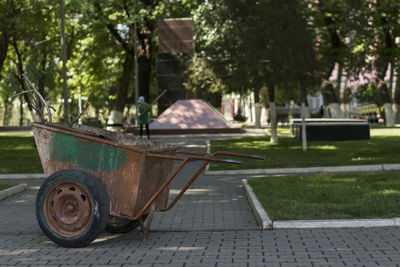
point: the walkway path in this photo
(212, 225)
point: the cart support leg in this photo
(155, 196)
(146, 228)
(203, 166)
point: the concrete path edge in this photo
(265, 222)
(310, 170)
(337, 223)
(23, 176)
(261, 216)
(12, 191)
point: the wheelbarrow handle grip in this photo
(254, 157)
(239, 155)
(228, 161)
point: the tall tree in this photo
(384, 23)
(29, 40)
(6, 10)
(100, 45)
(341, 36)
(262, 44)
(115, 21)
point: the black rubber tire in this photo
(94, 192)
(116, 225)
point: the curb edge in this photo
(310, 170)
(23, 176)
(261, 216)
(12, 191)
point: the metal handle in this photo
(229, 161)
(253, 156)
(232, 154)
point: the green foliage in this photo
(369, 93)
(357, 35)
(33, 35)
(241, 46)
(95, 54)
(110, 48)
(201, 79)
(248, 46)
(341, 30)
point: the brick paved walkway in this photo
(211, 225)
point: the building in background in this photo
(175, 45)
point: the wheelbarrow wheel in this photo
(117, 225)
(72, 207)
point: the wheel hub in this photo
(68, 209)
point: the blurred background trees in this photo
(279, 50)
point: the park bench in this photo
(326, 129)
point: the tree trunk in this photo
(334, 39)
(272, 113)
(114, 122)
(5, 121)
(19, 77)
(257, 108)
(395, 108)
(42, 71)
(64, 63)
(274, 130)
(21, 112)
(329, 94)
(389, 118)
(291, 110)
(6, 31)
(305, 111)
(144, 76)
(332, 101)
(383, 90)
(342, 111)
(4, 41)
(386, 97)
(124, 83)
(335, 111)
(144, 52)
(303, 126)
(116, 115)
(396, 99)
(145, 55)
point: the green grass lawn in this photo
(349, 196)
(18, 154)
(383, 147)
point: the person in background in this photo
(143, 116)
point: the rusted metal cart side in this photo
(99, 179)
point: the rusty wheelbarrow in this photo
(99, 179)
